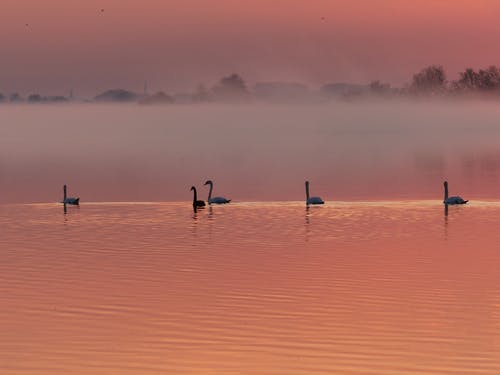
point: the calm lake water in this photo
(378, 281)
(250, 288)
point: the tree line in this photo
(430, 81)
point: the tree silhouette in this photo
(430, 81)
(469, 79)
(232, 87)
(483, 80)
(489, 79)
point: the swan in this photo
(66, 200)
(215, 200)
(196, 202)
(312, 200)
(452, 200)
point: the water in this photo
(250, 288)
(357, 151)
(380, 280)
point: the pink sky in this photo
(176, 44)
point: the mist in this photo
(370, 150)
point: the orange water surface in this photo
(250, 288)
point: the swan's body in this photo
(452, 200)
(455, 200)
(215, 200)
(312, 200)
(196, 202)
(69, 200)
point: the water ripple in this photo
(250, 288)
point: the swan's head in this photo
(193, 188)
(208, 182)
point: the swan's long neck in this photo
(195, 196)
(65, 193)
(307, 190)
(210, 191)
(445, 190)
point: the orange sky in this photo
(176, 44)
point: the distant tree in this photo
(430, 81)
(489, 79)
(2, 97)
(483, 80)
(231, 87)
(468, 80)
(15, 97)
(35, 98)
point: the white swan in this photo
(215, 200)
(312, 200)
(452, 200)
(66, 200)
(196, 202)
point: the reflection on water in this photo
(257, 288)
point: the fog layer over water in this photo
(349, 151)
